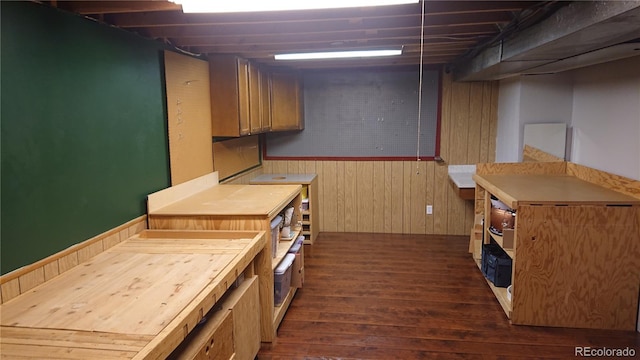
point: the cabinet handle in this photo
(206, 350)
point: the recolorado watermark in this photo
(586, 351)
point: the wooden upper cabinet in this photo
(286, 101)
(236, 108)
(244, 100)
(257, 120)
(265, 100)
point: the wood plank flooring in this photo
(391, 296)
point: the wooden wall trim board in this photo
(23, 279)
(162, 198)
(618, 183)
(530, 153)
(391, 196)
(530, 168)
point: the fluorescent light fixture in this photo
(338, 54)
(227, 6)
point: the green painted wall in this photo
(83, 129)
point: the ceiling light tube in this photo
(338, 54)
(208, 6)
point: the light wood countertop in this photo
(234, 200)
(514, 189)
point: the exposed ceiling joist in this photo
(451, 28)
(479, 39)
(569, 33)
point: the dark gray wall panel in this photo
(363, 113)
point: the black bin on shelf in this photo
(496, 265)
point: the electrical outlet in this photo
(429, 209)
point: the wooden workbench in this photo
(310, 215)
(576, 243)
(204, 204)
(550, 189)
(136, 300)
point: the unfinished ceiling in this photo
(582, 33)
(461, 35)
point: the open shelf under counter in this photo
(309, 182)
(499, 239)
(283, 248)
(500, 293)
(280, 310)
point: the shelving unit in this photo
(310, 216)
(283, 249)
(203, 204)
(576, 246)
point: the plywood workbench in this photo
(203, 204)
(136, 300)
(576, 248)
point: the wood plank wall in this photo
(391, 196)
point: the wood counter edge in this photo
(174, 333)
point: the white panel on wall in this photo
(549, 138)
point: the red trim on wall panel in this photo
(347, 158)
(437, 149)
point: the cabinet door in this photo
(243, 96)
(286, 102)
(255, 106)
(265, 100)
(211, 340)
(229, 95)
(244, 303)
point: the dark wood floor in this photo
(384, 296)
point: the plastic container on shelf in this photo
(296, 246)
(282, 279)
(275, 234)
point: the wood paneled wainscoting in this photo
(391, 196)
(399, 296)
